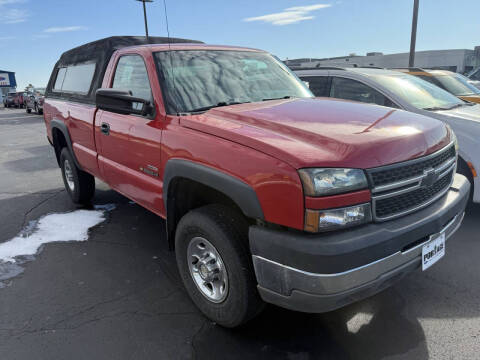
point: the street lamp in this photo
(145, 15)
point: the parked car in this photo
(19, 99)
(454, 83)
(34, 101)
(402, 91)
(474, 77)
(269, 194)
(9, 99)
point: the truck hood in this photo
(324, 132)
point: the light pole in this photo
(145, 15)
(413, 40)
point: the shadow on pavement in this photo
(120, 294)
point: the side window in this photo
(60, 77)
(75, 78)
(318, 85)
(131, 75)
(349, 89)
(78, 78)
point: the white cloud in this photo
(290, 15)
(64, 29)
(8, 2)
(5, 38)
(13, 16)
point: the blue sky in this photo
(34, 33)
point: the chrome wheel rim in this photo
(207, 269)
(69, 175)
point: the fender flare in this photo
(60, 125)
(240, 192)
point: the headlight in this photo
(334, 219)
(331, 181)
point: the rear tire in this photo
(79, 184)
(226, 235)
(28, 110)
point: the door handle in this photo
(105, 128)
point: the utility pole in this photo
(413, 40)
(145, 15)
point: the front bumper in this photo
(323, 272)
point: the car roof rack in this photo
(317, 68)
(368, 67)
(407, 68)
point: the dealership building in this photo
(458, 60)
(7, 82)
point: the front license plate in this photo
(433, 251)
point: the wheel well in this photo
(59, 142)
(185, 195)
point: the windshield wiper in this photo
(456, 106)
(221, 103)
(435, 108)
(279, 98)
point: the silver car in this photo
(401, 91)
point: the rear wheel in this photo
(211, 246)
(79, 184)
(28, 110)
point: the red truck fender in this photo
(239, 192)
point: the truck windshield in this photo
(197, 80)
(419, 93)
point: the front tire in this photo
(79, 184)
(28, 110)
(211, 246)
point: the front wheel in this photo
(79, 184)
(211, 246)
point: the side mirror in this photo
(122, 102)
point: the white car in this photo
(398, 90)
(474, 77)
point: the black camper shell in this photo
(98, 53)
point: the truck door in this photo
(129, 145)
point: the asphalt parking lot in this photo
(118, 295)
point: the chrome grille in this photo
(405, 187)
(402, 172)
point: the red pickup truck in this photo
(269, 195)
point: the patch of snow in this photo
(359, 320)
(72, 226)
